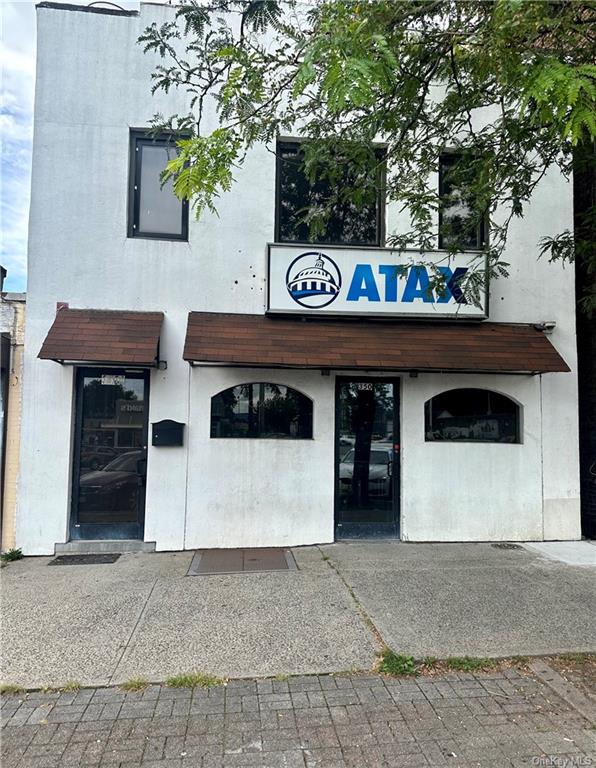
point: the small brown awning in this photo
(257, 340)
(103, 336)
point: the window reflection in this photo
(473, 415)
(112, 455)
(261, 410)
(159, 208)
(366, 450)
(347, 224)
(460, 225)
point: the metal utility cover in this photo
(84, 559)
(263, 559)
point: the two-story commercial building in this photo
(226, 383)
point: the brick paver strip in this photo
(491, 720)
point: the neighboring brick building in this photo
(222, 383)
(12, 332)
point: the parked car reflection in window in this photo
(380, 468)
(112, 488)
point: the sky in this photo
(17, 79)
(17, 87)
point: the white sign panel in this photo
(112, 380)
(330, 280)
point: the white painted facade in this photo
(93, 86)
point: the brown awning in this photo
(257, 340)
(103, 336)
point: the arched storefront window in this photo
(261, 410)
(472, 415)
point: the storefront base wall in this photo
(165, 502)
(473, 491)
(560, 430)
(261, 492)
(237, 492)
(562, 519)
(46, 443)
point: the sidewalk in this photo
(498, 720)
(142, 616)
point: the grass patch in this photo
(576, 658)
(193, 680)
(281, 678)
(469, 663)
(134, 684)
(392, 663)
(11, 554)
(354, 670)
(6, 688)
(71, 686)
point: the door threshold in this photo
(355, 532)
(103, 546)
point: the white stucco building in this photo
(346, 402)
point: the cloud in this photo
(17, 75)
(17, 62)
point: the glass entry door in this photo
(367, 472)
(110, 457)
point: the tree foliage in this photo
(508, 85)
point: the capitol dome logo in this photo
(313, 280)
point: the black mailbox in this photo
(167, 432)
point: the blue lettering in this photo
(452, 289)
(418, 286)
(391, 272)
(363, 284)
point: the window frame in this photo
(260, 382)
(380, 222)
(519, 424)
(139, 137)
(482, 229)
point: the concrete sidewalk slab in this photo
(143, 617)
(74, 622)
(250, 624)
(469, 599)
(570, 552)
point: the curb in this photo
(565, 690)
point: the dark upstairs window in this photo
(457, 222)
(348, 224)
(154, 210)
(261, 410)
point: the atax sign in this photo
(331, 280)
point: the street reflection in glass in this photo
(366, 449)
(112, 455)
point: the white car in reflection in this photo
(380, 470)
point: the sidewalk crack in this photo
(366, 619)
(132, 632)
